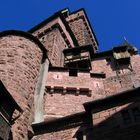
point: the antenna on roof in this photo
(124, 38)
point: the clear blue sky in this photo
(110, 19)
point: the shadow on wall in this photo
(123, 125)
(122, 65)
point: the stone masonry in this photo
(69, 82)
(20, 60)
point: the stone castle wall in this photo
(55, 38)
(20, 60)
(60, 102)
(81, 28)
(55, 45)
(64, 94)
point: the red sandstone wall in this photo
(123, 79)
(20, 61)
(100, 65)
(109, 124)
(81, 28)
(55, 45)
(55, 40)
(59, 105)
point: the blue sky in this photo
(110, 19)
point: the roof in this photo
(126, 43)
(109, 53)
(114, 100)
(59, 124)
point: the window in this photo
(6, 109)
(136, 114)
(73, 72)
(126, 117)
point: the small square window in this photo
(73, 72)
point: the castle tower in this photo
(65, 30)
(21, 56)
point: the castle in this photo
(55, 85)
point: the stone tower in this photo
(21, 56)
